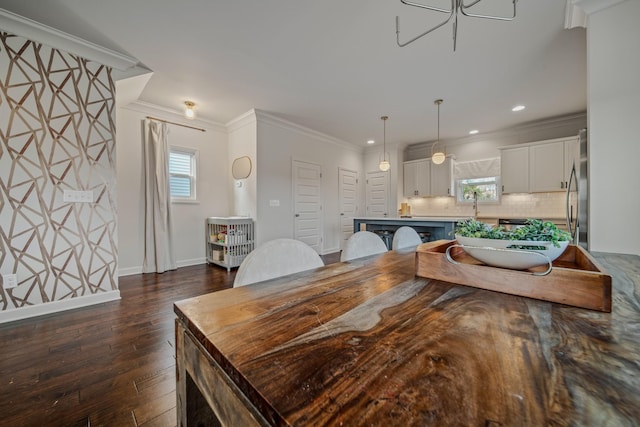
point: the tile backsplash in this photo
(537, 205)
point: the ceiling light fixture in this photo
(189, 110)
(371, 141)
(518, 108)
(384, 164)
(473, 132)
(456, 6)
(437, 157)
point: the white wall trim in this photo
(246, 119)
(593, 6)
(32, 30)
(57, 306)
(131, 271)
(574, 16)
(173, 115)
(267, 118)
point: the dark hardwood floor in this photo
(111, 364)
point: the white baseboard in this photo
(130, 271)
(56, 306)
(330, 251)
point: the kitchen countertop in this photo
(366, 342)
(414, 218)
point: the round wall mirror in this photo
(241, 167)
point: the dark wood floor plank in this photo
(111, 364)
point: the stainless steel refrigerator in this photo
(577, 196)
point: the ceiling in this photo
(334, 65)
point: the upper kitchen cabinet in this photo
(514, 169)
(442, 178)
(423, 178)
(538, 167)
(417, 178)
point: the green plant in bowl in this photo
(512, 248)
(534, 230)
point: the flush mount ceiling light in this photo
(189, 109)
(384, 164)
(456, 6)
(437, 157)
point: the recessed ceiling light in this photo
(473, 132)
(371, 141)
(518, 108)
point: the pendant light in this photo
(384, 161)
(437, 157)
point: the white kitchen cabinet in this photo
(423, 178)
(538, 167)
(417, 178)
(442, 178)
(514, 169)
(546, 167)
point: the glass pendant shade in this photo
(437, 157)
(384, 164)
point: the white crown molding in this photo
(593, 6)
(267, 118)
(246, 119)
(173, 115)
(574, 16)
(32, 30)
(517, 132)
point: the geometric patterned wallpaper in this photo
(57, 131)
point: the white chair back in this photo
(276, 258)
(405, 237)
(361, 244)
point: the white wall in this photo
(242, 142)
(278, 144)
(188, 218)
(613, 55)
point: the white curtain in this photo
(477, 168)
(158, 245)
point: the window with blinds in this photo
(182, 174)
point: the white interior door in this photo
(348, 188)
(307, 203)
(377, 194)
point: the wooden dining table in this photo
(369, 343)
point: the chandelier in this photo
(456, 6)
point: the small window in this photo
(486, 188)
(182, 174)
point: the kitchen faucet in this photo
(475, 205)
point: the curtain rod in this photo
(177, 124)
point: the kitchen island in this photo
(366, 342)
(438, 227)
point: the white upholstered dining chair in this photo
(276, 258)
(361, 244)
(405, 237)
